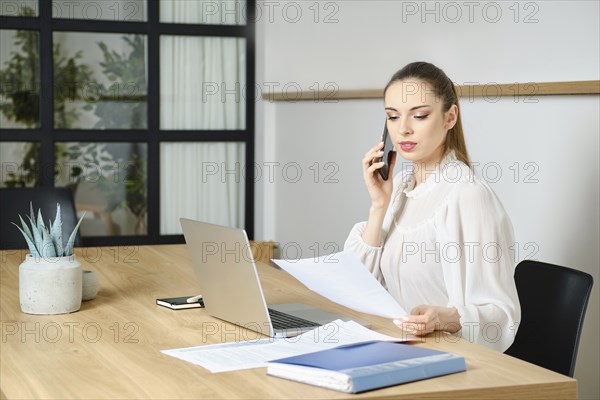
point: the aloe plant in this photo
(46, 241)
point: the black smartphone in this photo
(388, 147)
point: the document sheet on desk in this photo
(255, 354)
(342, 278)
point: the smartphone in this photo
(388, 147)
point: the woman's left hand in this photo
(425, 319)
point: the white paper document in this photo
(342, 278)
(255, 354)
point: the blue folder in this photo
(366, 366)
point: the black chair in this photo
(15, 202)
(553, 304)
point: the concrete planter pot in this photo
(50, 285)
(90, 284)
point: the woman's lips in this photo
(407, 146)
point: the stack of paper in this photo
(254, 354)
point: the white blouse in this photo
(447, 243)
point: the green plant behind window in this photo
(123, 104)
(70, 79)
(19, 81)
(20, 78)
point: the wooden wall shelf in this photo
(490, 91)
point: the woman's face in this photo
(416, 122)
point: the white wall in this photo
(556, 217)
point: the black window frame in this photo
(47, 135)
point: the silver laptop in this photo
(224, 265)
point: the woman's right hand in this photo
(379, 189)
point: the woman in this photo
(437, 236)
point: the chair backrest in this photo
(15, 202)
(553, 304)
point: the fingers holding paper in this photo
(425, 319)
(418, 325)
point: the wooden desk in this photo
(111, 347)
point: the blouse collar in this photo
(431, 180)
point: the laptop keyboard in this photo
(282, 320)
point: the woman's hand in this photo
(379, 190)
(425, 319)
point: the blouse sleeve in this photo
(475, 235)
(369, 255)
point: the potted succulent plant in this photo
(50, 278)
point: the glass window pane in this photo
(20, 162)
(202, 181)
(210, 12)
(202, 83)
(19, 79)
(100, 81)
(109, 182)
(95, 10)
(19, 8)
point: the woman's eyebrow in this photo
(413, 108)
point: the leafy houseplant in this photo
(50, 278)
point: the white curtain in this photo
(202, 87)
(202, 82)
(217, 12)
(201, 181)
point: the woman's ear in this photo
(451, 117)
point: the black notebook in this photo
(179, 303)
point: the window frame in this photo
(47, 135)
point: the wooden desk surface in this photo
(111, 347)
